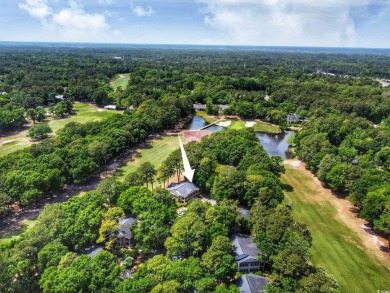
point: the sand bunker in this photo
(224, 123)
(249, 123)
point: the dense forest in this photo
(49, 257)
(344, 139)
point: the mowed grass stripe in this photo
(156, 152)
(120, 80)
(335, 246)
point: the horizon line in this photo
(181, 44)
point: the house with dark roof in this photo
(124, 235)
(184, 191)
(251, 283)
(94, 251)
(199, 107)
(293, 118)
(222, 108)
(246, 253)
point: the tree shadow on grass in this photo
(287, 187)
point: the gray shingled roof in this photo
(251, 283)
(183, 189)
(244, 212)
(244, 247)
(125, 227)
(95, 251)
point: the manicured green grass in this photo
(258, 127)
(15, 234)
(120, 80)
(206, 117)
(236, 124)
(84, 113)
(266, 127)
(335, 247)
(155, 153)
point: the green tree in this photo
(100, 152)
(134, 179)
(218, 261)
(147, 173)
(189, 236)
(110, 189)
(32, 114)
(50, 255)
(375, 202)
(105, 273)
(229, 184)
(318, 282)
(172, 286)
(39, 131)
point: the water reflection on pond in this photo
(273, 144)
(196, 123)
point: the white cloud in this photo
(36, 8)
(106, 2)
(72, 23)
(284, 22)
(74, 20)
(142, 11)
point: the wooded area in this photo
(345, 140)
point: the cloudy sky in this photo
(334, 23)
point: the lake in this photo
(273, 144)
(196, 123)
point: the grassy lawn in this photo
(206, 117)
(336, 248)
(120, 80)
(155, 153)
(258, 127)
(84, 113)
(266, 127)
(27, 224)
(237, 124)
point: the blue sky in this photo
(340, 23)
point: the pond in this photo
(273, 144)
(196, 123)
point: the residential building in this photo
(222, 108)
(94, 250)
(184, 191)
(124, 237)
(251, 283)
(246, 253)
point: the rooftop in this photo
(244, 212)
(94, 251)
(244, 246)
(125, 227)
(251, 283)
(183, 189)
